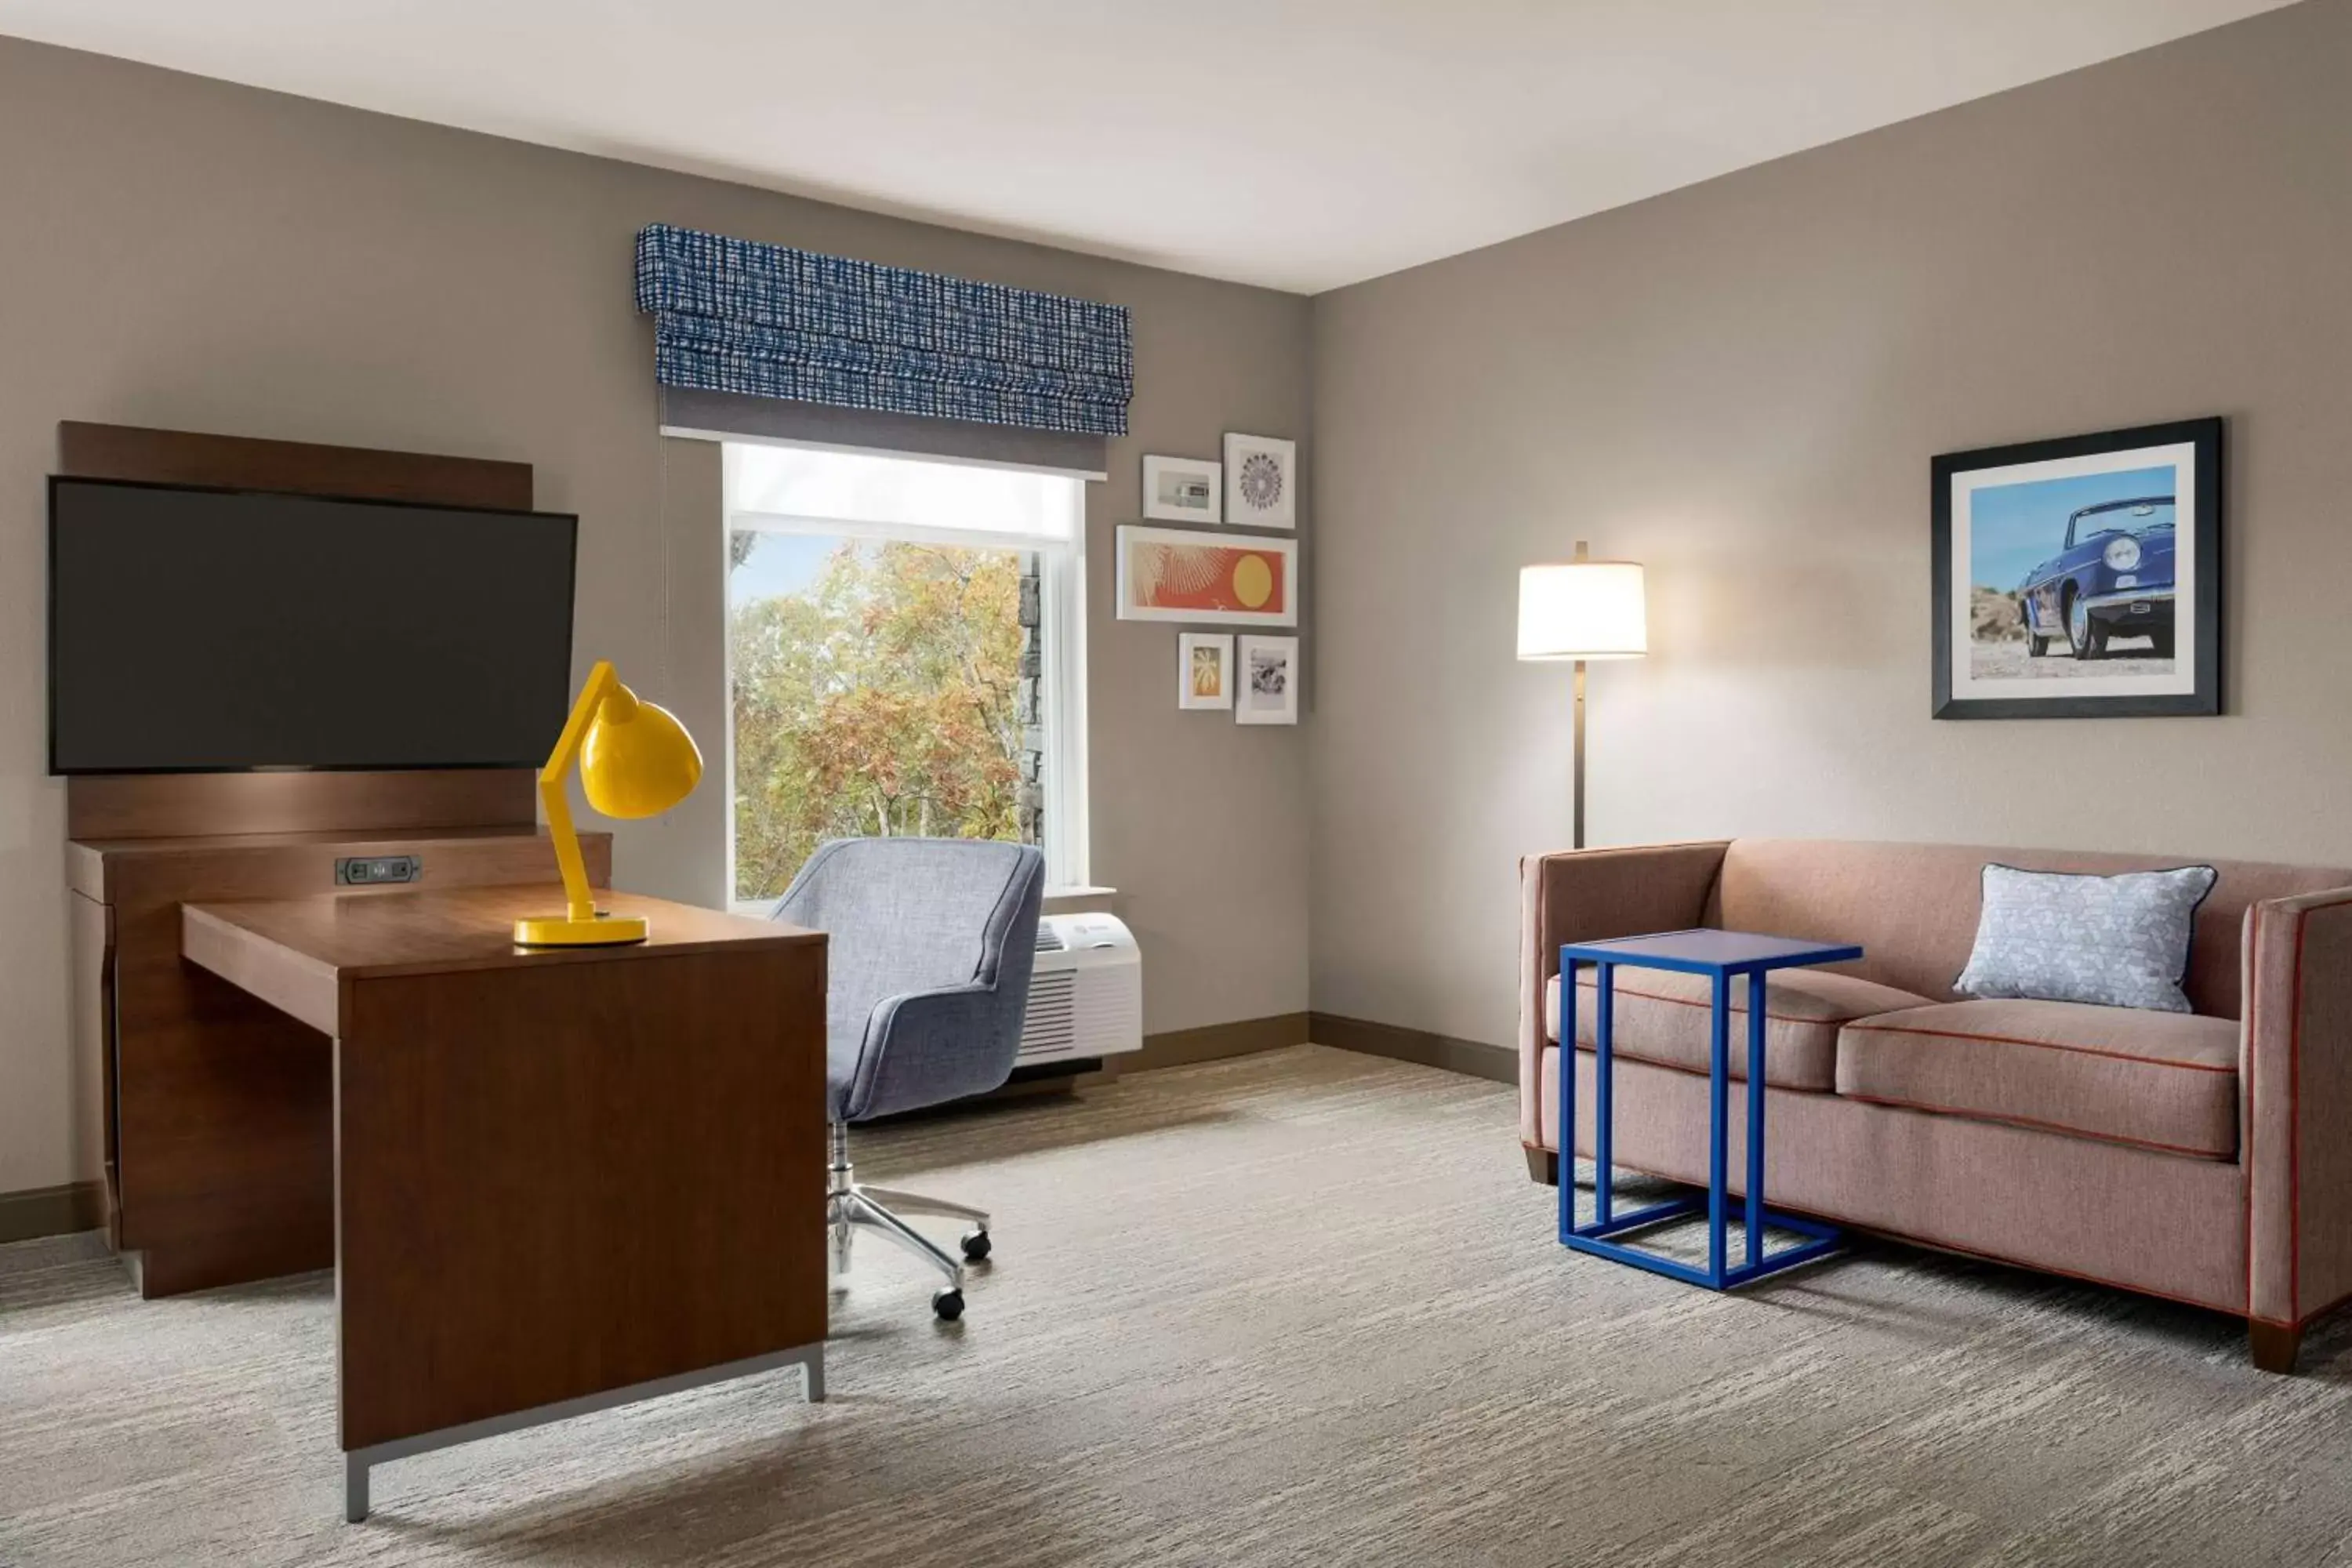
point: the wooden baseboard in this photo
(1214, 1042)
(1500, 1064)
(51, 1211)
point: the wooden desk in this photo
(565, 1180)
(214, 1112)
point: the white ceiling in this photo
(1297, 143)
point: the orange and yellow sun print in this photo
(1211, 578)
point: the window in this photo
(906, 655)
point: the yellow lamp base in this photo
(559, 931)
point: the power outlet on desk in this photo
(368, 871)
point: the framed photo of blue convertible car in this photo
(2081, 578)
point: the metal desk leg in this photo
(358, 1462)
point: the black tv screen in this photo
(199, 630)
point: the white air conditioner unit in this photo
(1086, 998)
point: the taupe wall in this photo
(186, 253)
(1741, 384)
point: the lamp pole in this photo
(1576, 837)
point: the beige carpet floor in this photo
(1300, 1308)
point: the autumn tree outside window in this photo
(905, 656)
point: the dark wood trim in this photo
(52, 1211)
(1214, 1042)
(2273, 1345)
(1498, 1064)
(1543, 1165)
(109, 806)
(240, 462)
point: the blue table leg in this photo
(1604, 1072)
(1719, 1071)
(1566, 1131)
(1755, 1119)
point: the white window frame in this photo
(1062, 615)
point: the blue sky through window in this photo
(780, 563)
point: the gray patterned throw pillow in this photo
(2120, 941)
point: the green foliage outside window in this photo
(883, 699)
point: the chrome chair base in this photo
(850, 1205)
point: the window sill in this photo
(765, 909)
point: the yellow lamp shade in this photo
(636, 760)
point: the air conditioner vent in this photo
(1085, 997)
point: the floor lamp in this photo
(1581, 609)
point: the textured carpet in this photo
(1300, 1308)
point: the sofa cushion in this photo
(2156, 1081)
(1661, 1017)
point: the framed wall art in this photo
(1267, 672)
(1206, 579)
(2080, 578)
(1261, 481)
(1204, 669)
(1180, 490)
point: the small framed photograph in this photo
(2080, 578)
(1261, 481)
(1178, 489)
(1267, 670)
(1204, 669)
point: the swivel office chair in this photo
(932, 942)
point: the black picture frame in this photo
(2203, 614)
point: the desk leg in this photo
(1719, 1072)
(357, 1462)
(1755, 1119)
(1566, 1131)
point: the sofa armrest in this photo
(2296, 1106)
(1590, 895)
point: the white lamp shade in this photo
(1582, 609)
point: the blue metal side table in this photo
(1722, 956)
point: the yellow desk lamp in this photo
(636, 760)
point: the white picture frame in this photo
(1261, 481)
(1183, 489)
(1265, 681)
(1204, 670)
(1198, 578)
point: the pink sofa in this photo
(2206, 1158)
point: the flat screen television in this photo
(196, 630)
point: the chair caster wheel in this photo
(975, 1246)
(947, 1304)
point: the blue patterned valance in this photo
(730, 315)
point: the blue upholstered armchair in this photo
(932, 945)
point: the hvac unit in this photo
(1086, 999)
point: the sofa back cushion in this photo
(1914, 906)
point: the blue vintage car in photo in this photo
(2114, 579)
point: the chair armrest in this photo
(2295, 1105)
(1590, 895)
(941, 1045)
